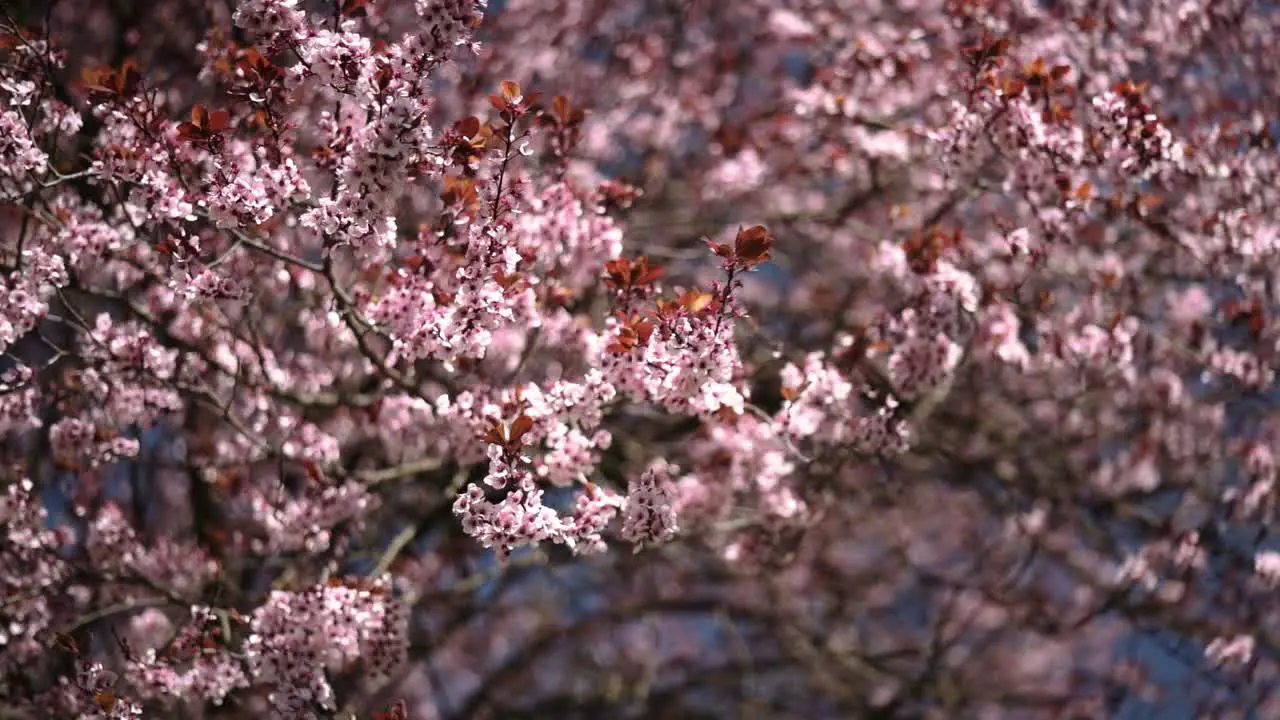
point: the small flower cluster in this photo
(76, 442)
(649, 516)
(1137, 140)
(249, 189)
(194, 664)
(296, 637)
(452, 313)
(1231, 651)
(1267, 566)
(1257, 499)
(20, 157)
(745, 486)
(683, 360)
(86, 237)
(113, 546)
(31, 575)
(520, 518)
(409, 429)
(593, 511)
(271, 18)
(1164, 567)
(19, 399)
(583, 239)
(355, 263)
(921, 364)
(447, 23)
(306, 522)
(129, 350)
(24, 297)
(94, 695)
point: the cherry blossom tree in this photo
(663, 358)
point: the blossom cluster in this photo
(295, 637)
(310, 310)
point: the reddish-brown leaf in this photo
(511, 283)
(562, 108)
(469, 127)
(752, 245)
(128, 78)
(647, 274)
(617, 274)
(511, 92)
(105, 700)
(352, 8)
(624, 274)
(399, 711)
(312, 470)
(219, 120)
(695, 301)
(667, 309)
(643, 330)
(66, 642)
(625, 341)
(100, 82)
(519, 428)
(636, 331)
(721, 249)
(495, 433)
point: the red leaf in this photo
(219, 120)
(752, 245)
(106, 700)
(647, 274)
(128, 78)
(560, 104)
(511, 91)
(721, 249)
(696, 301)
(66, 642)
(519, 428)
(399, 711)
(104, 83)
(495, 433)
(469, 127)
(312, 470)
(351, 7)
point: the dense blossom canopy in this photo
(639, 358)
